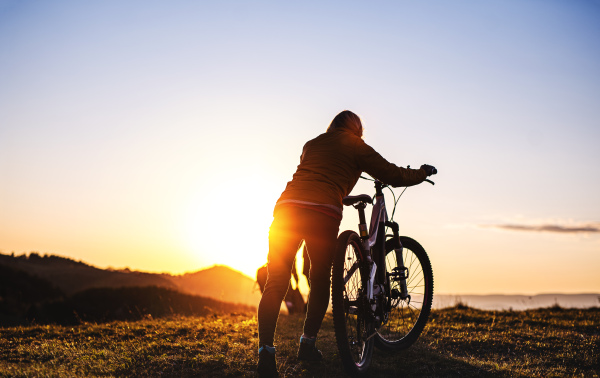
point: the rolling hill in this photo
(218, 282)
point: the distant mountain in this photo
(218, 282)
(517, 302)
(30, 278)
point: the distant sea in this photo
(517, 302)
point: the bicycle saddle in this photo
(351, 200)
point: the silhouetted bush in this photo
(127, 303)
(19, 291)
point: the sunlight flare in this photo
(229, 225)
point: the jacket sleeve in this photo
(375, 165)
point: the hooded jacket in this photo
(331, 164)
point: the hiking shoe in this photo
(267, 367)
(308, 350)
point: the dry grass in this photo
(458, 342)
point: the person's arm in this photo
(375, 165)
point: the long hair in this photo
(347, 120)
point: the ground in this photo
(457, 342)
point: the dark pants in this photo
(290, 226)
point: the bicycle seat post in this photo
(362, 225)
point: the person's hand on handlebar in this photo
(429, 169)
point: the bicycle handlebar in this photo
(379, 186)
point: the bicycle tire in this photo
(407, 319)
(353, 324)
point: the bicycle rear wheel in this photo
(352, 318)
(407, 317)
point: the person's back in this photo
(331, 164)
(327, 169)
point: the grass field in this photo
(458, 342)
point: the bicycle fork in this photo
(400, 272)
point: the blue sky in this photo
(158, 135)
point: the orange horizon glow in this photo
(159, 137)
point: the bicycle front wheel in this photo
(352, 317)
(407, 316)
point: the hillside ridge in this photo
(218, 281)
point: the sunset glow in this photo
(158, 136)
(232, 237)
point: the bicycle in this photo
(382, 285)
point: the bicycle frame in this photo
(374, 242)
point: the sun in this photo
(229, 224)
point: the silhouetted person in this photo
(310, 209)
(293, 298)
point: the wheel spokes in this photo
(404, 315)
(353, 306)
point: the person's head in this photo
(347, 120)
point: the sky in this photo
(158, 135)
